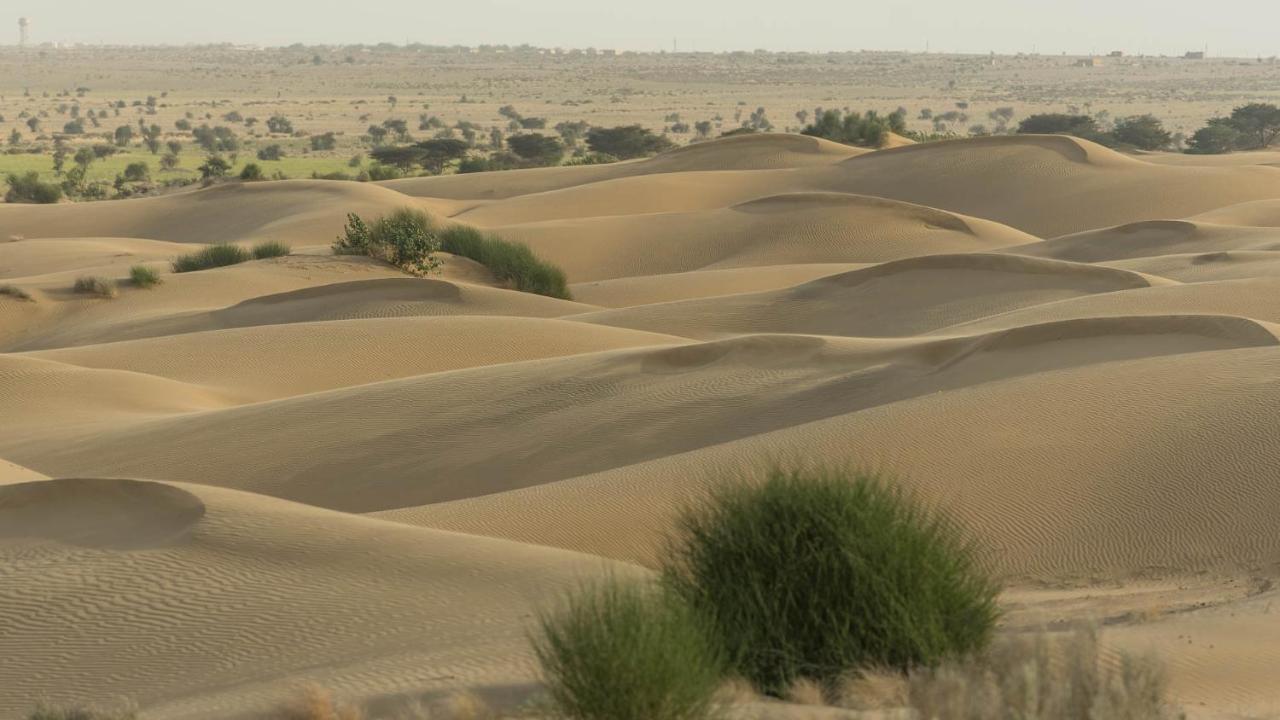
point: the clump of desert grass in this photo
(1042, 675)
(314, 702)
(270, 249)
(16, 293)
(627, 650)
(144, 277)
(217, 255)
(810, 575)
(95, 285)
(409, 239)
(509, 262)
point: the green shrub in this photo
(252, 172)
(144, 277)
(508, 261)
(593, 158)
(93, 285)
(407, 239)
(627, 651)
(211, 257)
(817, 574)
(378, 171)
(27, 188)
(354, 239)
(270, 249)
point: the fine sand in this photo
(318, 469)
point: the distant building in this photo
(1116, 53)
(1089, 62)
(1194, 55)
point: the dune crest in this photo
(101, 514)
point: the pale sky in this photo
(1229, 27)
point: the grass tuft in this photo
(317, 703)
(508, 261)
(16, 292)
(270, 249)
(144, 277)
(94, 285)
(627, 651)
(816, 574)
(1036, 675)
(213, 256)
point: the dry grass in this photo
(317, 703)
(16, 292)
(94, 285)
(1025, 675)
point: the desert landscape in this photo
(316, 469)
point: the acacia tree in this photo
(537, 148)
(1260, 122)
(1144, 132)
(626, 141)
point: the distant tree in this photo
(214, 167)
(279, 124)
(169, 161)
(1219, 136)
(75, 127)
(27, 188)
(399, 127)
(60, 153)
(536, 148)
(978, 130)
(324, 141)
(123, 135)
(925, 114)
(680, 128)
(183, 125)
(439, 152)
(533, 123)
(377, 134)
(34, 124)
(401, 156)
(803, 117)
(174, 146)
(233, 116)
(854, 128)
(15, 137)
(270, 152)
(137, 172)
(1059, 124)
(1259, 122)
(703, 128)
(758, 121)
(84, 157)
(1144, 132)
(572, 132)
(509, 112)
(626, 141)
(251, 172)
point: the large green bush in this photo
(508, 261)
(406, 238)
(27, 188)
(817, 574)
(626, 651)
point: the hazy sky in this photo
(1228, 27)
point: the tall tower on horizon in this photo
(24, 30)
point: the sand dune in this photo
(789, 229)
(639, 404)
(1097, 405)
(281, 360)
(1150, 238)
(166, 583)
(304, 212)
(893, 299)
(743, 152)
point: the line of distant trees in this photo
(1255, 126)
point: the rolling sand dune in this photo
(790, 229)
(743, 152)
(350, 476)
(206, 602)
(304, 212)
(893, 299)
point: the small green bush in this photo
(270, 249)
(627, 651)
(252, 172)
(812, 575)
(27, 188)
(212, 256)
(93, 285)
(508, 261)
(406, 238)
(144, 277)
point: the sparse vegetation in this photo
(15, 292)
(27, 188)
(627, 141)
(866, 130)
(270, 249)
(144, 277)
(252, 172)
(508, 261)
(94, 285)
(1036, 675)
(816, 574)
(406, 238)
(627, 651)
(217, 255)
